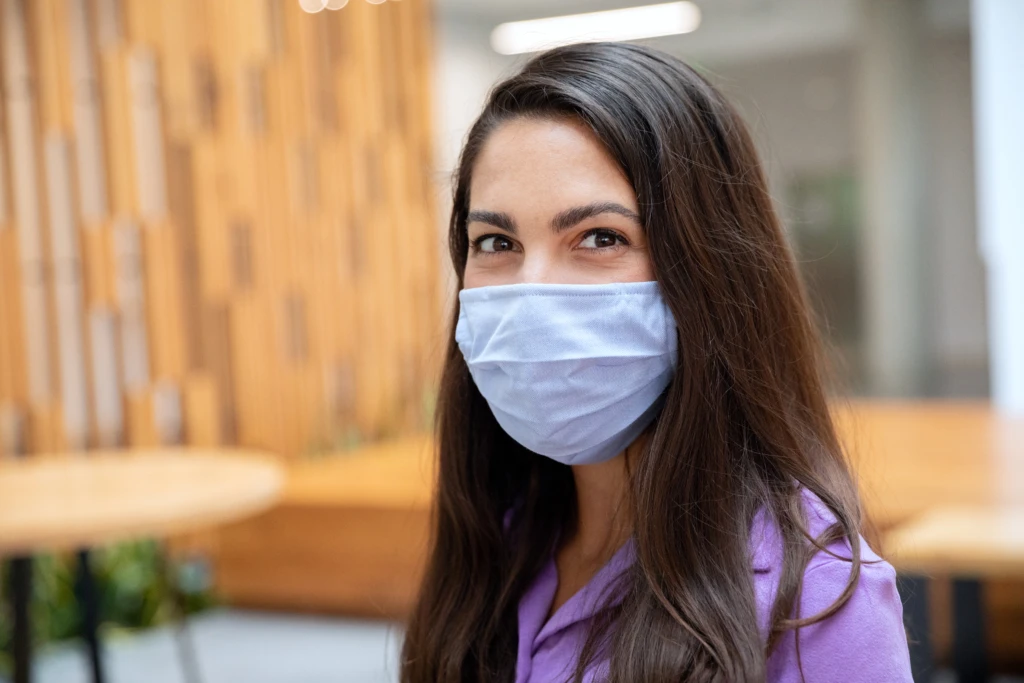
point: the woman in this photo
(639, 477)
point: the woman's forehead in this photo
(537, 162)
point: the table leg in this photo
(917, 618)
(970, 658)
(186, 647)
(21, 617)
(88, 604)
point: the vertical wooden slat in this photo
(117, 109)
(211, 234)
(12, 431)
(18, 86)
(108, 411)
(217, 346)
(85, 86)
(109, 23)
(165, 325)
(254, 118)
(241, 256)
(182, 26)
(4, 173)
(44, 428)
(140, 423)
(67, 274)
(147, 135)
(13, 388)
(131, 300)
(182, 201)
(142, 22)
(98, 266)
(11, 419)
(202, 411)
(167, 413)
(49, 23)
(276, 39)
(305, 179)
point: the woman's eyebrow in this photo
(561, 222)
(498, 219)
(577, 214)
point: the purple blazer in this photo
(863, 642)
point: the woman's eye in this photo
(494, 243)
(601, 239)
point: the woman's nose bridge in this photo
(540, 266)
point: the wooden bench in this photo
(349, 535)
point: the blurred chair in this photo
(968, 544)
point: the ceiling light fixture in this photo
(630, 23)
(314, 6)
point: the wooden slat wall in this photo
(216, 224)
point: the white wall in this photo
(465, 69)
(958, 275)
(802, 111)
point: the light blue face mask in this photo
(573, 372)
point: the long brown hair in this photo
(744, 427)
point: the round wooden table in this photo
(73, 501)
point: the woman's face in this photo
(549, 205)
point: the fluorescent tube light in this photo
(631, 23)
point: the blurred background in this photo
(222, 234)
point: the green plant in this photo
(133, 583)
